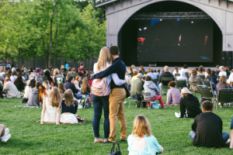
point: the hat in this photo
(185, 90)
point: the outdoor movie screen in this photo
(175, 40)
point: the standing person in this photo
(101, 96)
(207, 128)
(101, 90)
(141, 141)
(117, 95)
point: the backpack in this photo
(100, 87)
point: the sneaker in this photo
(6, 135)
(98, 140)
(106, 140)
(177, 114)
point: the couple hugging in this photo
(108, 89)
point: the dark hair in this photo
(207, 105)
(32, 83)
(148, 78)
(114, 50)
(172, 84)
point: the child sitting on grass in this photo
(141, 141)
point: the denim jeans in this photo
(225, 136)
(99, 103)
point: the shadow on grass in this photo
(20, 143)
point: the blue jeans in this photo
(99, 103)
(225, 136)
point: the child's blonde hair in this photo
(141, 126)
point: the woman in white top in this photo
(51, 107)
(101, 90)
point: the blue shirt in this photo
(147, 145)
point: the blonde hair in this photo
(69, 97)
(84, 86)
(56, 71)
(104, 58)
(141, 126)
(55, 97)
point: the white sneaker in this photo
(6, 135)
(177, 114)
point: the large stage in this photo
(194, 32)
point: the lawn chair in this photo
(207, 94)
(225, 96)
(146, 100)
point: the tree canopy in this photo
(66, 29)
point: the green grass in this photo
(29, 137)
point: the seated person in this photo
(189, 104)
(207, 128)
(70, 85)
(221, 84)
(194, 80)
(10, 89)
(173, 94)
(136, 84)
(33, 98)
(69, 108)
(4, 133)
(152, 90)
(166, 76)
(141, 141)
(51, 107)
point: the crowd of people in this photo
(61, 92)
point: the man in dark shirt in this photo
(166, 76)
(207, 128)
(117, 95)
(189, 104)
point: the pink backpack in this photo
(100, 87)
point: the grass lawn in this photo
(29, 137)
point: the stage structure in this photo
(171, 31)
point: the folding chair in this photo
(207, 94)
(225, 96)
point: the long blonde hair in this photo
(104, 58)
(55, 97)
(69, 97)
(141, 126)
